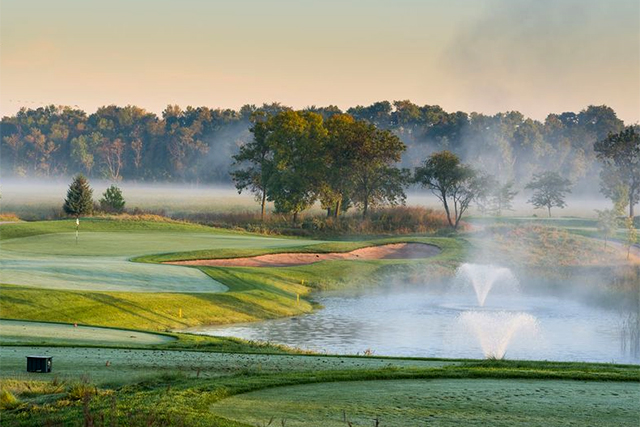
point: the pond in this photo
(447, 320)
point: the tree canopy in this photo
(620, 176)
(453, 182)
(296, 158)
(196, 144)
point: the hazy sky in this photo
(535, 56)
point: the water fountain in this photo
(484, 277)
(495, 329)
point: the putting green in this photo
(444, 402)
(16, 331)
(100, 260)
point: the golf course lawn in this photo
(133, 365)
(100, 260)
(16, 331)
(211, 389)
(442, 402)
(114, 277)
(46, 276)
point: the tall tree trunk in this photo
(338, 207)
(549, 209)
(328, 212)
(631, 212)
(446, 209)
(264, 201)
(366, 207)
(295, 217)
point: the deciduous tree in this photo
(620, 154)
(453, 182)
(549, 190)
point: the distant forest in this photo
(196, 145)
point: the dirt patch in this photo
(392, 251)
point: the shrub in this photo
(9, 217)
(112, 200)
(8, 400)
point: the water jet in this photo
(483, 277)
(495, 329)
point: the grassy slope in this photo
(254, 293)
(586, 227)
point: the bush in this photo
(9, 217)
(8, 400)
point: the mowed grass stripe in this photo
(16, 331)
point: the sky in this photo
(534, 56)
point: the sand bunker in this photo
(392, 251)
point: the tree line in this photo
(297, 158)
(196, 144)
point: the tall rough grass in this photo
(394, 220)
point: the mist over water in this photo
(429, 320)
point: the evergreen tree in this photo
(112, 200)
(79, 197)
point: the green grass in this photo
(16, 331)
(45, 254)
(149, 311)
(469, 402)
(130, 366)
(26, 229)
(47, 277)
(197, 389)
